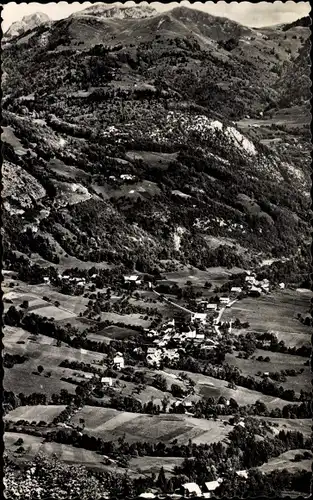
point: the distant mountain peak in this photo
(118, 11)
(27, 22)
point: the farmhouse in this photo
(118, 361)
(191, 490)
(131, 279)
(212, 307)
(282, 286)
(211, 486)
(236, 289)
(200, 337)
(200, 317)
(224, 300)
(107, 381)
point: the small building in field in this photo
(282, 286)
(107, 381)
(236, 289)
(224, 300)
(212, 307)
(191, 490)
(118, 361)
(131, 278)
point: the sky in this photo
(247, 13)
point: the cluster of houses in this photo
(169, 335)
(193, 490)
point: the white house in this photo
(236, 289)
(201, 317)
(107, 381)
(88, 375)
(192, 489)
(242, 473)
(212, 307)
(200, 337)
(147, 495)
(118, 361)
(131, 279)
(211, 486)
(224, 300)
(242, 424)
(282, 286)
(46, 280)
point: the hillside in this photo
(156, 235)
(127, 115)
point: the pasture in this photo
(65, 453)
(128, 319)
(38, 413)
(111, 424)
(215, 275)
(150, 465)
(116, 333)
(278, 362)
(41, 350)
(209, 387)
(276, 313)
(286, 461)
(303, 425)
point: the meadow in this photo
(209, 387)
(38, 413)
(111, 424)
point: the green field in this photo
(278, 362)
(303, 425)
(208, 387)
(149, 465)
(66, 453)
(276, 313)
(111, 424)
(41, 350)
(35, 413)
(285, 461)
